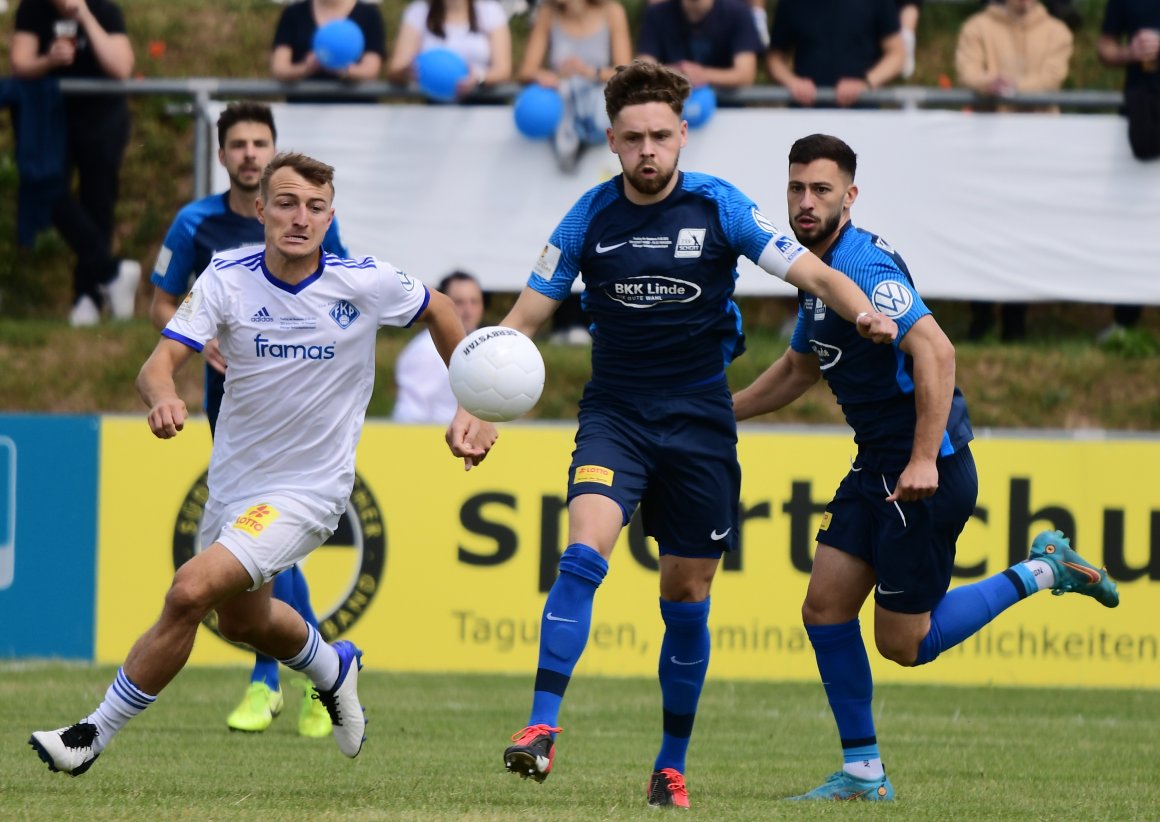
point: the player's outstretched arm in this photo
(784, 381)
(531, 310)
(934, 386)
(840, 293)
(167, 411)
(467, 436)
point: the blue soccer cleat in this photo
(843, 787)
(1072, 572)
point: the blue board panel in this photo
(48, 535)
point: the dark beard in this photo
(654, 185)
(820, 232)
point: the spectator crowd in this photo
(69, 147)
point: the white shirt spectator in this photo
(421, 376)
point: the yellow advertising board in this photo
(436, 569)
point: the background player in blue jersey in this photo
(657, 249)
(220, 222)
(894, 520)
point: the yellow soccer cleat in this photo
(257, 709)
(313, 720)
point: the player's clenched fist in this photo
(167, 417)
(877, 327)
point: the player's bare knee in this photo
(187, 600)
(898, 650)
(820, 611)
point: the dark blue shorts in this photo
(911, 545)
(674, 455)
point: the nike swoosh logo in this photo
(886, 593)
(1092, 575)
(676, 661)
(601, 249)
(715, 536)
(553, 618)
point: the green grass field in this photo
(435, 741)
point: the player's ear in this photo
(261, 206)
(851, 196)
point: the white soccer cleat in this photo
(346, 712)
(121, 291)
(67, 750)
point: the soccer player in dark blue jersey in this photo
(657, 249)
(220, 222)
(892, 525)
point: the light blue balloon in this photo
(537, 111)
(339, 44)
(438, 72)
(700, 106)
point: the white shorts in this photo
(268, 534)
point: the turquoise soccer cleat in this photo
(1072, 572)
(843, 787)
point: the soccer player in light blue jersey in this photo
(221, 222)
(283, 457)
(892, 525)
(657, 250)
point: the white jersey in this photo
(301, 367)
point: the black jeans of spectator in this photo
(85, 218)
(1142, 106)
(1013, 325)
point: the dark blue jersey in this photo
(873, 383)
(204, 228)
(659, 278)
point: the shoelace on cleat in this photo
(80, 735)
(331, 704)
(529, 734)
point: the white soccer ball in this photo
(497, 373)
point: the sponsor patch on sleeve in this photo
(593, 473)
(164, 256)
(892, 298)
(826, 517)
(256, 519)
(788, 247)
(546, 264)
(189, 305)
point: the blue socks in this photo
(845, 671)
(964, 610)
(564, 628)
(683, 664)
(290, 587)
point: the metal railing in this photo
(202, 90)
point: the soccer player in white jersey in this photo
(298, 328)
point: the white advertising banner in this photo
(998, 207)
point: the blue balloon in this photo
(538, 111)
(438, 72)
(338, 44)
(700, 106)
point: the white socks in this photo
(123, 701)
(317, 660)
(1044, 575)
(865, 769)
